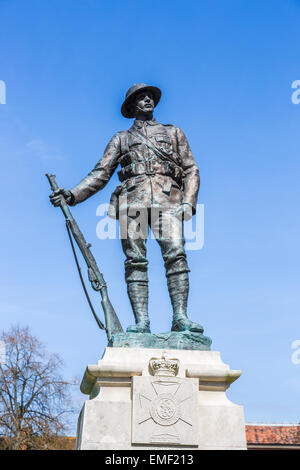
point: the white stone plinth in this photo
(179, 402)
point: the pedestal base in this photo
(172, 340)
(155, 399)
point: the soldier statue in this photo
(160, 178)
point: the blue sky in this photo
(225, 70)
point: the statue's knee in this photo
(136, 274)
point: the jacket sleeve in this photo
(191, 179)
(100, 175)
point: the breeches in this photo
(167, 230)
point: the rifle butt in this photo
(112, 323)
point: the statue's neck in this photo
(143, 116)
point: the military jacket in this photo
(146, 179)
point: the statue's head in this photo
(140, 99)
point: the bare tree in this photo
(34, 398)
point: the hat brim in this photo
(125, 109)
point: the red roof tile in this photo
(273, 434)
(256, 434)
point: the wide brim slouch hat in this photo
(133, 91)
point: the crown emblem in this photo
(164, 366)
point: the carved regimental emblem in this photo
(165, 409)
(164, 406)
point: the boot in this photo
(138, 296)
(178, 285)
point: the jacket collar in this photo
(140, 124)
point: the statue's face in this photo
(144, 102)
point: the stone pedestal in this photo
(154, 399)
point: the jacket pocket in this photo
(164, 143)
(130, 184)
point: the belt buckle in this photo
(149, 168)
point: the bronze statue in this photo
(159, 178)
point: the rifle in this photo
(96, 279)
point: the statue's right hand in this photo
(55, 197)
